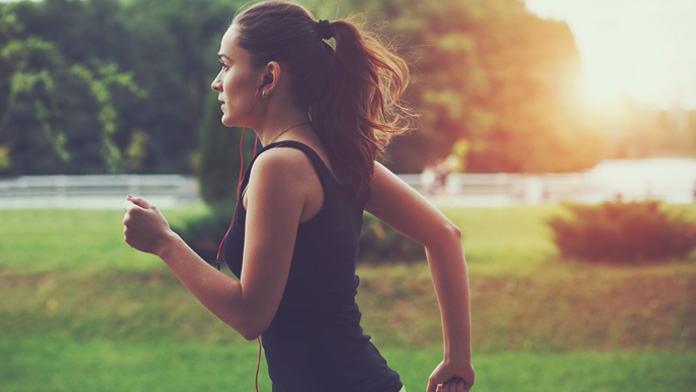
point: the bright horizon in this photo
(644, 49)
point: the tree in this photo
(495, 75)
(57, 116)
(108, 85)
(637, 130)
(219, 156)
(174, 57)
(82, 108)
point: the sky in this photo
(644, 49)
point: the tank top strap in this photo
(326, 177)
(322, 170)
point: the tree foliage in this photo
(493, 74)
(65, 109)
(636, 130)
(103, 85)
(97, 86)
(220, 156)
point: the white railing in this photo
(95, 191)
(670, 180)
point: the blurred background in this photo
(535, 88)
(525, 106)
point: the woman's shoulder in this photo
(281, 164)
(283, 169)
(289, 176)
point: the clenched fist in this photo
(145, 228)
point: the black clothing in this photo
(315, 342)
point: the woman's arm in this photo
(273, 213)
(404, 209)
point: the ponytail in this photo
(352, 91)
(360, 111)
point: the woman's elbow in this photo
(251, 316)
(250, 332)
(252, 327)
(447, 233)
(454, 231)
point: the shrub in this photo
(623, 233)
(218, 156)
(379, 243)
(204, 232)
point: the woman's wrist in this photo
(461, 355)
(167, 243)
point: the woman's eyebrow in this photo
(226, 57)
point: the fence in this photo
(673, 181)
(95, 191)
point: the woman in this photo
(322, 115)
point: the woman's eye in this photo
(223, 65)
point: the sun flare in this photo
(638, 49)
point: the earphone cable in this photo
(239, 188)
(239, 180)
(258, 366)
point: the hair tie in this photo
(324, 29)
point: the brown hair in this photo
(352, 92)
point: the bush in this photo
(203, 233)
(379, 243)
(623, 233)
(219, 157)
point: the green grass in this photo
(500, 241)
(52, 363)
(80, 310)
(509, 240)
(35, 241)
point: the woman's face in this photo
(237, 82)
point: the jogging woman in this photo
(322, 113)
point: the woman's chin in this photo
(226, 121)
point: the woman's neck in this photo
(279, 126)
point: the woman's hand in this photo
(450, 377)
(145, 228)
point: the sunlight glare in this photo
(634, 48)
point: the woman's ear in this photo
(271, 78)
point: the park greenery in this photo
(115, 86)
(625, 233)
(83, 311)
(123, 86)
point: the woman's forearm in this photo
(219, 293)
(404, 209)
(450, 277)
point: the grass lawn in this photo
(51, 363)
(81, 311)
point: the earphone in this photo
(266, 80)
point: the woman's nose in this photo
(216, 85)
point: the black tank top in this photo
(315, 342)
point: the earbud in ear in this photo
(266, 80)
